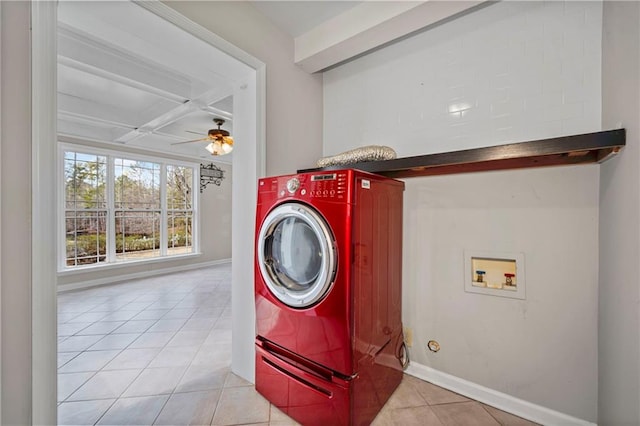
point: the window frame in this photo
(97, 210)
(168, 211)
(112, 261)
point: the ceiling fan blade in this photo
(194, 140)
(195, 133)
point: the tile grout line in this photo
(162, 348)
(128, 386)
(183, 374)
(105, 412)
(76, 389)
(143, 293)
(219, 397)
(102, 369)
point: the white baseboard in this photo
(115, 278)
(502, 401)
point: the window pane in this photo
(85, 177)
(179, 182)
(86, 237)
(137, 184)
(137, 235)
(179, 233)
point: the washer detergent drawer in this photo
(305, 392)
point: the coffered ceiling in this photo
(129, 78)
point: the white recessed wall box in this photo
(494, 273)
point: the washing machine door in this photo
(297, 255)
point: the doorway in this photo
(248, 164)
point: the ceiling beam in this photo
(91, 110)
(93, 131)
(84, 119)
(371, 25)
(81, 52)
(200, 103)
(219, 113)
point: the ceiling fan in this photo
(221, 142)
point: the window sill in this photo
(124, 264)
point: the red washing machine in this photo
(328, 274)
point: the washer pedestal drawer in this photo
(304, 395)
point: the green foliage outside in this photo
(137, 198)
(87, 245)
(179, 240)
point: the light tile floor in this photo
(158, 351)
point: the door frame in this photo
(249, 163)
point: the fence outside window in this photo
(120, 207)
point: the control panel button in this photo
(292, 185)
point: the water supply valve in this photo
(508, 279)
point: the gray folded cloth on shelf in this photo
(358, 155)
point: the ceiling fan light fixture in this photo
(218, 133)
(222, 142)
(227, 147)
(219, 147)
(215, 148)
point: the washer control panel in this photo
(310, 186)
(331, 185)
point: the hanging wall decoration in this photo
(210, 173)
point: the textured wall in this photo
(510, 72)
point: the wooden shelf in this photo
(567, 150)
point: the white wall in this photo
(524, 70)
(294, 98)
(520, 71)
(542, 349)
(16, 212)
(216, 218)
(619, 322)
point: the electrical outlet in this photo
(408, 336)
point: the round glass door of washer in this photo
(296, 254)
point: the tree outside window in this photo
(85, 208)
(121, 209)
(179, 209)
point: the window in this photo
(85, 208)
(120, 208)
(137, 209)
(179, 209)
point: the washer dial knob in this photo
(292, 185)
